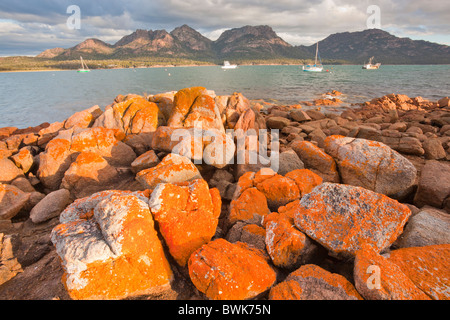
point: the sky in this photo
(28, 27)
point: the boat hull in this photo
(312, 69)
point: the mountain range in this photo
(257, 43)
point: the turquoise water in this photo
(31, 98)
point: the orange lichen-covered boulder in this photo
(311, 282)
(376, 278)
(187, 216)
(428, 267)
(343, 217)
(316, 160)
(371, 164)
(305, 179)
(63, 150)
(287, 246)
(182, 103)
(226, 271)
(204, 114)
(134, 115)
(172, 169)
(88, 174)
(279, 191)
(114, 254)
(12, 200)
(250, 207)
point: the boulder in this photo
(305, 179)
(146, 160)
(343, 217)
(133, 115)
(12, 200)
(427, 267)
(371, 165)
(230, 271)
(299, 115)
(426, 228)
(88, 174)
(311, 282)
(50, 206)
(277, 122)
(278, 191)
(187, 216)
(23, 159)
(114, 254)
(182, 103)
(316, 160)
(9, 265)
(377, 278)
(289, 161)
(433, 149)
(249, 207)
(63, 150)
(83, 119)
(172, 169)
(251, 234)
(204, 114)
(434, 184)
(8, 171)
(287, 246)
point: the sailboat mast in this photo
(317, 50)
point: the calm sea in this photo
(31, 98)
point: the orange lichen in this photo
(305, 179)
(427, 267)
(250, 207)
(182, 103)
(279, 191)
(138, 265)
(384, 282)
(186, 215)
(286, 290)
(225, 271)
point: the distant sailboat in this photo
(370, 65)
(315, 67)
(84, 67)
(227, 65)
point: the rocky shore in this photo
(109, 205)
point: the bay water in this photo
(31, 98)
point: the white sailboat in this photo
(370, 65)
(315, 67)
(84, 67)
(227, 65)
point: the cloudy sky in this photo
(28, 27)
